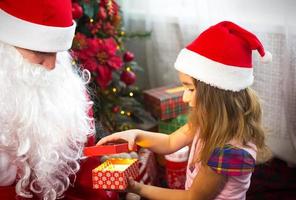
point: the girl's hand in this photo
(130, 136)
(133, 186)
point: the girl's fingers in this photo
(131, 144)
(131, 183)
(109, 138)
(101, 141)
(119, 136)
(133, 186)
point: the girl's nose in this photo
(186, 96)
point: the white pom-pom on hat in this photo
(267, 58)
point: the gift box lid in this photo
(109, 148)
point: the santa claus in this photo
(44, 121)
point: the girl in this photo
(224, 128)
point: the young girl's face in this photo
(190, 90)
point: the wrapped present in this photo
(109, 148)
(176, 165)
(147, 164)
(171, 125)
(113, 173)
(165, 102)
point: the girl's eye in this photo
(190, 90)
(41, 53)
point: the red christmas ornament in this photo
(128, 77)
(77, 11)
(128, 56)
(116, 109)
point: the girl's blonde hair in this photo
(223, 115)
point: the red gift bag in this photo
(176, 164)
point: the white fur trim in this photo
(20, 33)
(214, 73)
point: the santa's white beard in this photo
(43, 122)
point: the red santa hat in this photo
(222, 57)
(40, 25)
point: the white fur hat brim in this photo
(216, 74)
(20, 33)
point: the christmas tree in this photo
(98, 46)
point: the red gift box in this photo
(110, 148)
(165, 102)
(114, 172)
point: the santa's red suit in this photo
(44, 121)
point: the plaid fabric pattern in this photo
(165, 102)
(171, 125)
(231, 161)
